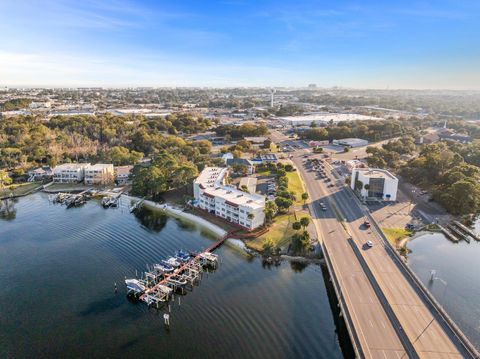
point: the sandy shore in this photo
(177, 212)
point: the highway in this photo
(376, 335)
(390, 316)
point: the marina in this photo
(246, 308)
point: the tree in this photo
(346, 149)
(283, 204)
(304, 197)
(296, 226)
(271, 210)
(304, 221)
(5, 180)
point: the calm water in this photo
(58, 268)
(457, 286)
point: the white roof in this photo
(375, 173)
(71, 166)
(326, 117)
(211, 176)
(237, 197)
(100, 166)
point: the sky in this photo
(122, 43)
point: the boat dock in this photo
(467, 230)
(448, 234)
(183, 271)
(458, 233)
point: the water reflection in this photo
(7, 209)
(153, 220)
(298, 266)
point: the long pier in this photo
(184, 266)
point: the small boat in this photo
(182, 256)
(164, 289)
(177, 281)
(163, 267)
(134, 285)
(209, 257)
(172, 262)
(106, 201)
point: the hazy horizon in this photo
(416, 45)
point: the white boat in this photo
(173, 262)
(163, 267)
(209, 257)
(177, 281)
(134, 285)
(164, 289)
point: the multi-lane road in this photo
(387, 313)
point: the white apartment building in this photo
(375, 183)
(211, 194)
(100, 173)
(122, 174)
(69, 172)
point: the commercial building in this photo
(99, 173)
(69, 172)
(212, 195)
(351, 164)
(350, 142)
(267, 158)
(320, 119)
(374, 183)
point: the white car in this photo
(370, 244)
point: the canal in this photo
(57, 273)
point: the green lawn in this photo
(295, 185)
(395, 235)
(20, 189)
(280, 232)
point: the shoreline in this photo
(176, 212)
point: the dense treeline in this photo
(245, 130)
(15, 104)
(28, 140)
(369, 130)
(453, 182)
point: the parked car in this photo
(369, 244)
(366, 224)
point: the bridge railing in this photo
(343, 306)
(447, 321)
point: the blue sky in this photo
(363, 44)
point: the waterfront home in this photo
(99, 174)
(122, 174)
(69, 172)
(39, 174)
(214, 196)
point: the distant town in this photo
(338, 177)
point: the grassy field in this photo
(395, 235)
(280, 231)
(295, 185)
(20, 189)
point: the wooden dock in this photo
(448, 234)
(467, 230)
(459, 233)
(147, 294)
